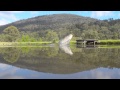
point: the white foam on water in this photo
(66, 40)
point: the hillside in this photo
(54, 22)
(57, 26)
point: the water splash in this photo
(66, 40)
(64, 44)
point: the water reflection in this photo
(59, 62)
(8, 72)
(11, 54)
(66, 49)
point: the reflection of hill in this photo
(63, 63)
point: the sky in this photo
(12, 16)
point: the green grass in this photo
(29, 43)
(22, 43)
(104, 42)
(109, 42)
(72, 42)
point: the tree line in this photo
(12, 34)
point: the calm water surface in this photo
(72, 62)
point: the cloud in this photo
(14, 77)
(3, 66)
(9, 72)
(3, 21)
(98, 14)
(7, 16)
(101, 75)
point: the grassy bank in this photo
(30, 43)
(109, 42)
(23, 43)
(104, 42)
(72, 42)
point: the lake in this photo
(74, 62)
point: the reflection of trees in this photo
(99, 57)
(51, 52)
(39, 52)
(48, 59)
(11, 54)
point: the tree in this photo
(90, 34)
(11, 33)
(2, 37)
(51, 36)
(27, 38)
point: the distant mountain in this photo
(45, 22)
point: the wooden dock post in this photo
(94, 43)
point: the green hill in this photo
(54, 21)
(64, 24)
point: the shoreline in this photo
(100, 42)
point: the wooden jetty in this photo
(87, 41)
